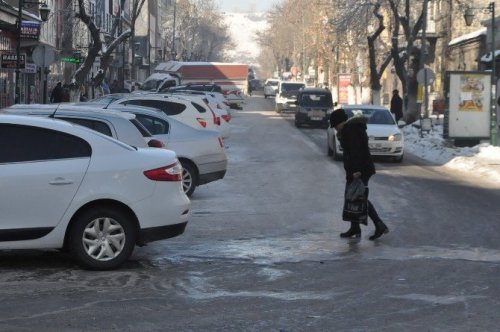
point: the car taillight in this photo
(171, 172)
(221, 143)
(202, 122)
(226, 117)
(154, 143)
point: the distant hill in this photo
(242, 27)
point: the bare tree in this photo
(99, 48)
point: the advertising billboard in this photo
(468, 100)
(343, 86)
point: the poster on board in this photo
(469, 96)
(343, 86)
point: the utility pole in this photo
(174, 54)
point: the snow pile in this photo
(482, 160)
(243, 28)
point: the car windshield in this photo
(272, 83)
(374, 116)
(104, 100)
(287, 87)
(150, 85)
(316, 100)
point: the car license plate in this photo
(375, 145)
(316, 118)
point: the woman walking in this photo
(357, 164)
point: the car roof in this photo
(315, 90)
(363, 106)
(67, 110)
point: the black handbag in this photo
(356, 202)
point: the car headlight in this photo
(395, 137)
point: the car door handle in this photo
(61, 181)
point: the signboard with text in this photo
(9, 61)
(30, 30)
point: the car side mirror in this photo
(401, 124)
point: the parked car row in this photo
(100, 177)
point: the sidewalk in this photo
(482, 160)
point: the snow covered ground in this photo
(482, 160)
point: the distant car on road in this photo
(385, 138)
(287, 95)
(314, 107)
(64, 186)
(271, 87)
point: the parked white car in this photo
(385, 138)
(271, 87)
(201, 152)
(192, 113)
(64, 186)
(123, 127)
(206, 98)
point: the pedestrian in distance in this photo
(249, 88)
(114, 87)
(56, 96)
(357, 164)
(396, 105)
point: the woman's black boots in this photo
(354, 231)
(380, 229)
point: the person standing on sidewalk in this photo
(357, 164)
(396, 105)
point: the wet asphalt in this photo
(262, 253)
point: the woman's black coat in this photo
(354, 141)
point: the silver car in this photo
(200, 151)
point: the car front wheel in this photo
(102, 238)
(335, 154)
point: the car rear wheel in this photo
(102, 238)
(188, 179)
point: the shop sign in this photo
(9, 61)
(30, 68)
(30, 30)
(71, 59)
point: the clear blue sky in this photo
(247, 5)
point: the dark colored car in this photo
(314, 106)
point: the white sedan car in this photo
(200, 151)
(67, 186)
(385, 138)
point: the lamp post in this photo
(469, 16)
(44, 15)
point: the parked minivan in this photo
(313, 107)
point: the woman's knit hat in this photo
(337, 117)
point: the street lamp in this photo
(469, 16)
(44, 15)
